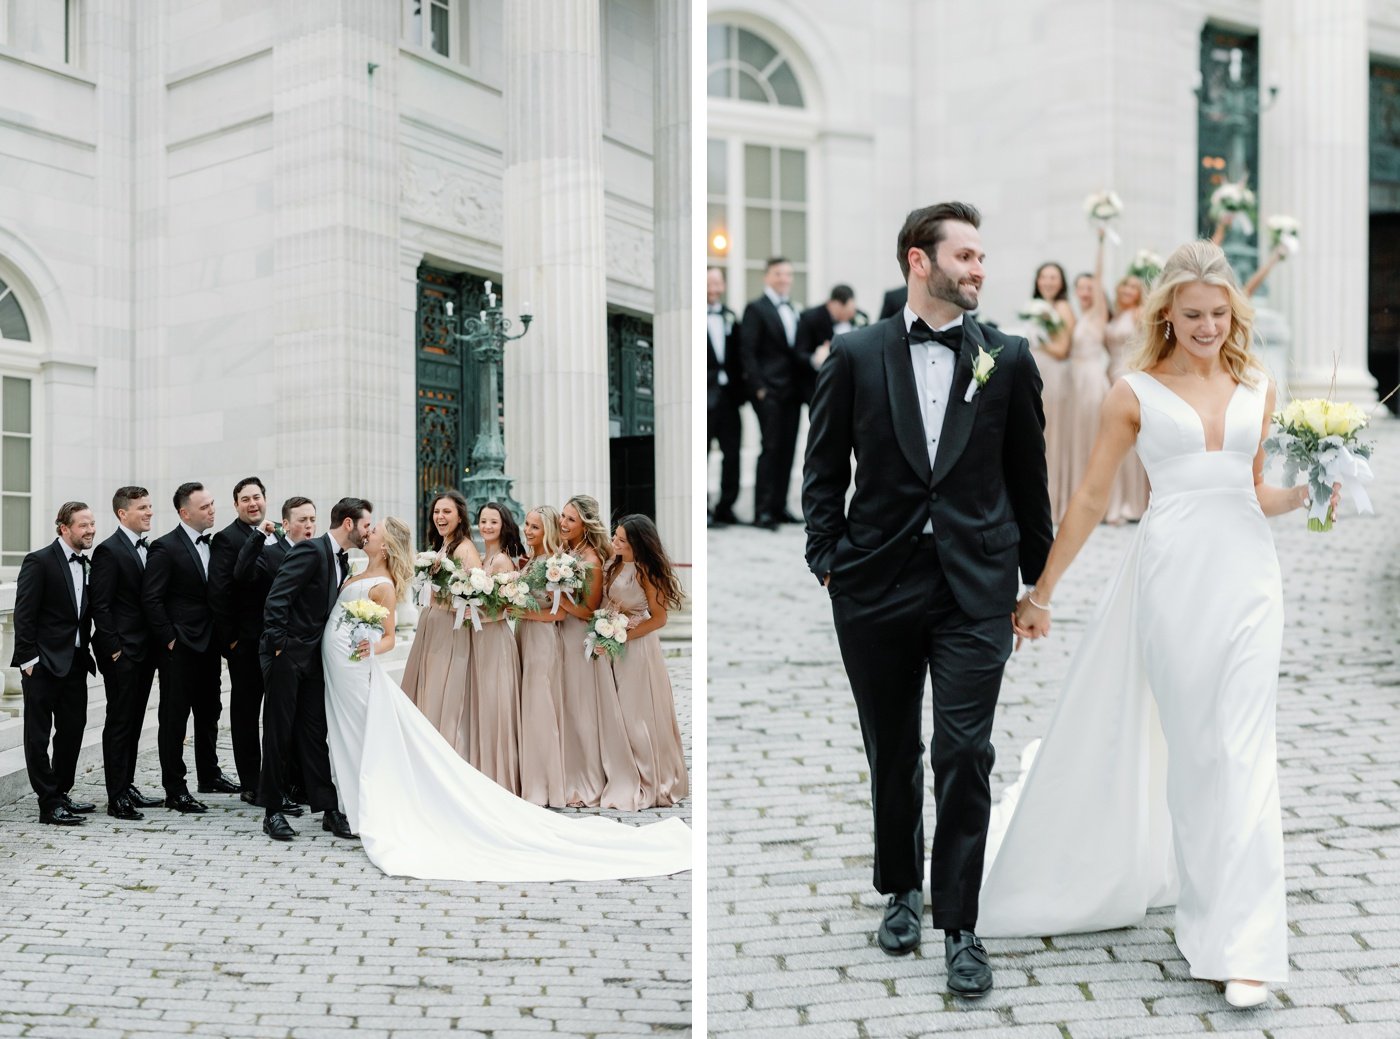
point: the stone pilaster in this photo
(673, 327)
(1314, 167)
(554, 258)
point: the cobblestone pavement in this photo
(791, 911)
(199, 925)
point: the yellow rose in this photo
(1343, 419)
(1293, 414)
(1313, 415)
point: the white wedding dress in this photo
(422, 811)
(1156, 782)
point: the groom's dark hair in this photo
(923, 229)
(349, 509)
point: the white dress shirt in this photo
(786, 312)
(202, 549)
(335, 551)
(715, 320)
(933, 381)
(134, 537)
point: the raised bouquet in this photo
(1043, 316)
(490, 595)
(1283, 230)
(607, 632)
(1233, 197)
(365, 619)
(1146, 265)
(560, 575)
(1102, 208)
(1318, 437)
(433, 575)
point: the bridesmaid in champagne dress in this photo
(541, 675)
(641, 584)
(437, 676)
(492, 726)
(598, 765)
(1088, 375)
(1128, 499)
(1051, 357)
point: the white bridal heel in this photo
(1246, 993)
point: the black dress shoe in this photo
(248, 797)
(290, 807)
(140, 800)
(277, 827)
(724, 516)
(59, 816)
(969, 973)
(221, 784)
(899, 930)
(336, 823)
(788, 517)
(766, 523)
(77, 807)
(124, 810)
(185, 803)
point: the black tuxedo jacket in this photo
(176, 592)
(49, 621)
(769, 363)
(895, 299)
(301, 599)
(115, 582)
(733, 362)
(256, 566)
(814, 327)
(985, 495)
(237, 616)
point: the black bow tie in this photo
(73, 557)
(203, 539)
(141, 543)
(343, 558)
(919, 332)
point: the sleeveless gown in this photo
(541, 710)
(422, 811)
(1087, 376)
(1157, 782)
(1128, 499)
(1055, 399)
(491, 726)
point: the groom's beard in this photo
(939, 286)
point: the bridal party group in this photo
(528, 696)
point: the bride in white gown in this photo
(422, 811)
(1156, 782)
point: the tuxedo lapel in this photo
(332, 575)
(774, 319)
(61, 551)
(904, 399)
(958, 419)
(194, 553)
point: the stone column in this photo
(557, 376)
(338, 358)
(1314, 167)
(674, 331)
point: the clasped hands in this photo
(1029, 621)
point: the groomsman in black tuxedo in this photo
(774, 375)
(53, 624)
(121, 640)
(815, 330)
(257, 564)
(724, 394)
(921, 566)
(176, 596)
(238, 626)
(299, 603)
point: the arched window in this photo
(757, 161)
(16, 435)
(12, 322)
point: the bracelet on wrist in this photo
(1039, 606)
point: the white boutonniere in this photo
(983, 366)
(728, 322)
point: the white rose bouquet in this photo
(1103, 207)
(365, 619)
(607, 633)
(1234, 197)
(432, 576)
(561, 575)
(1283, 230)
(1319, 438)
(472, 591)
(1043, 316)
(1146, 265)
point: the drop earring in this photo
(1169, 331)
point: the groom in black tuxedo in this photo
(950, 497)
(53, 624)
(299, 603)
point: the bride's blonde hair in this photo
(398, 553)
(1205, 262)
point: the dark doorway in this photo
(1384, 335)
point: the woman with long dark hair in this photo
(1052, 358)
(492, 725)
(640, 583)
(438, 674)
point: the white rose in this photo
(604, 628)
(621, 635)
(554, 574)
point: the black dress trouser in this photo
(724, 425)
(189, 685)
(245, 708)
(294, 723)
(58, 706)
(888, 648)
(128, 687)
(778, 420)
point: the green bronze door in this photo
(631, 415)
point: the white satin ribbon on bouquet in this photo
(425, 594)
(463, 605)
(1108, 231)
(1246, 225)
(1351, 471)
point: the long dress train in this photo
(1157, 782)
(422, 811)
